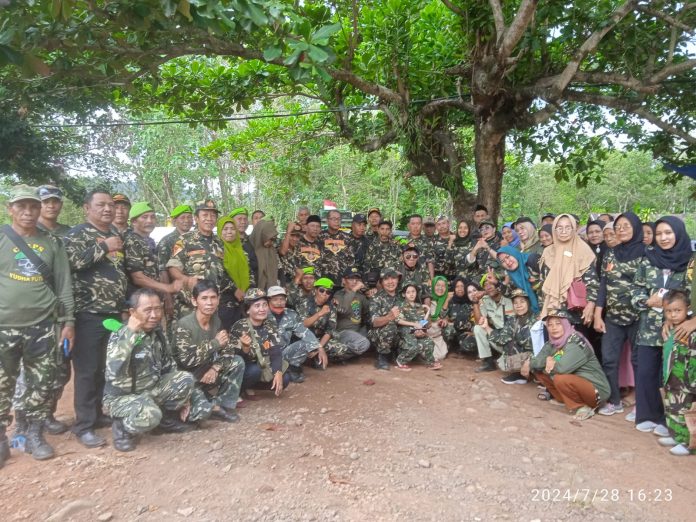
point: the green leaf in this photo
(67, 8)
(325, 32)
(257, 15)
(271, 53)
(9, 55)
(292, 59)
(317, 54)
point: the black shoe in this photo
(382, 362)
(4, 448)
(20, 429)
(89, 439)
(487, 366)
(514, 378)
(36, 444)
(123, 441)
(226, 415)
(54, 426)
(103, 421)
(171, 423)
(296, 374)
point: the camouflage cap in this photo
(20, 192)
(488, 222)
(373, 209)
(389, 272)
(561, 313)
(518, 292)
(254, 294)
(121, 198)
(50, 191)
(207, 204)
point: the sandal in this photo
(583, 413)
(437, 365)
(403, 367)
(544, 396)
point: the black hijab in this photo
(676, 258)
(465, 298)
(634, 248)
(462, 241)
(652, 226)
(600, 248)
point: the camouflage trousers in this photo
(677, 401)
(296, 353)
(338, 351)
(33, 346)
(461, 341)
(225, 391)
(385, 339)
(142, 412)
(411, 347)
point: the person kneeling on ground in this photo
(144, 390)
(257, 339)
(202, 348)
(352, 312)
(490, 312)
(413, 335)
(568, 367)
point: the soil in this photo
(354, 443)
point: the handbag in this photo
(577, 295)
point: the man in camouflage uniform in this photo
(143, 388)
(423, 243)
(352, 312)
(198, 254)
(182, 219)
(382, 252)
(414, 271)
(358, 241)
(384, 311)
(95, 251)
(51, 205)
(288, 257)
(515, 337)
(122, 206)
(484, 250)
(374, 218)
(309, 250)
(302, 287)
(27, 321)
(337, 254)
(319, 315)
(291, 327)
(441, 259)
(494, 308)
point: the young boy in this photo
(679, 358)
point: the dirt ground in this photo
(448, 445)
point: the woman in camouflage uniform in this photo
(460, 316)
(514, 337)
(459, 246)
(413, 323)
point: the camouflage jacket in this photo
(326, 324)
(358, 247)
(441, 259)
(135, 362)
(411, 313)
(457, 259)
(649, 280)
(139, 255)
(418, 276)
(296, 295)
(267, 335)
(478, 266)
(616, 288)
(514, 336)
(381, 304)
(308, 253)
(680, 369)
(99, 277)
(337, 255)
(60, 230)
(195, 348)
(381, 255)
(164, 249)
(290, 326)
(424, 244)
(462, 316)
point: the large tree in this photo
(541, 72)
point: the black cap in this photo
(353, 271)
(410, 246)
(313, 219)
(359, 218)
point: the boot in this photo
(171, 423)
(36, 444)
(226, 414)
(123, 441)
(488, 365)
(20, 429)
(4, 448)
(296, 374)
(54, 426)
(382, 362)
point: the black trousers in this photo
(612, 345)
(89, 360)
(649, 405)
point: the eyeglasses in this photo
(564, 229)
(50, 192)
(323, 290)
(411, 256)
(622, 227)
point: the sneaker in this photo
(667, 442)
(661, 431)
(514, 378)
(680, 451)
(646, 426)
(631, 417)
(610, 409)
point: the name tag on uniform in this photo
(195, 252)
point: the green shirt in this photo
(60, 230)
(26, 298)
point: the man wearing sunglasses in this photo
(415, 272)
(51, 205)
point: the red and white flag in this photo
(330, 205)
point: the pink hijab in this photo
(568, 330)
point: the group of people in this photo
(163, 336)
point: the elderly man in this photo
(182, 219)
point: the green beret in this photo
(181, 209)
(238, 211)
(308, 270)
(324, 282)
(138, 209)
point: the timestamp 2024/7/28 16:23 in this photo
(601, 495)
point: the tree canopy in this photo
(560, 80)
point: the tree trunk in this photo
(489, 154)
(463, 203)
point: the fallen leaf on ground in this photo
(368, 382)
(270, 426)
(338, 480)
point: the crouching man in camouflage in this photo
(144, 390)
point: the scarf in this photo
(532, 235)
(652, 226)
(439, 300)
(676, 258)
(462, 241)
(267, 257)
(568, 330)
(567, 261)
(516, 238)
(520, 276)
(634, 247)
(234, 259)
(463, 299)
(548, 228)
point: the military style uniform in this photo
(358, 247)
(308, 253)
(441, 259)
(424, 244)
(199, 256)
(456, 255)
(418, 276)
(99, 285)
(384, 338)
(352, 319)
(197, 350)
(477, 268)
(495, 313)
(290, 327)
(266, 352)
(680, 385)
(381, 254)
(514, 337)
(297, 295)
(28, 325)
(326, 324)
(411, 346)
(337, 255)
(460, 330)
(164, 249)
(142, 380)
(60, 230)
(140, 256)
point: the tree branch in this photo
(434, 107)
(589, 46)
(632, 108)
(383, 93)
(667, 18)
(498, 19)
(671, 70)
(537, 118)
(456, 10)
(514, 33)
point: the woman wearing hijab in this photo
(523, 271)
(649, 233)
(509, 235)
(620, 323)
(263, 239)
(663, 268)
(460, 316)
(568, 368)
(529, 237)
(236, 266)
(595, 238)
(439, 300)
(460, 244)
(546, 235)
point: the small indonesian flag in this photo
(329, 205)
